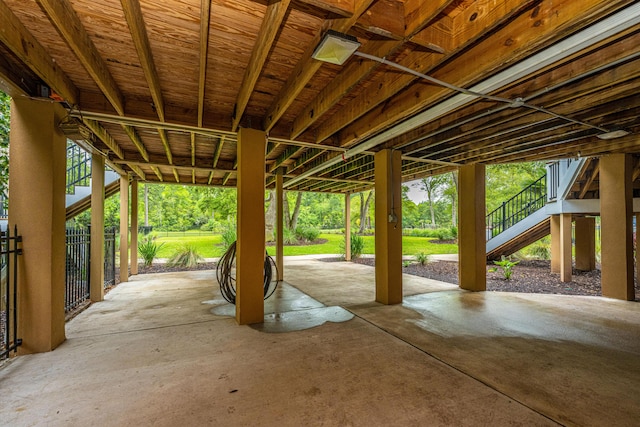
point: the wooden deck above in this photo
(161, 87)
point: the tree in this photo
(5, 114)
(365, 222)
(431, 185)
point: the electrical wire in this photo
(225, 273)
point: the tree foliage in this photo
(5, 118)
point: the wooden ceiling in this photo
(161, 87)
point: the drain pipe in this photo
(594, 34)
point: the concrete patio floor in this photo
(163, 349)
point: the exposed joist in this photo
(67, 23)
(156, 170)
(216, 155)
(175, 175)
(135, 138)
(165, 143)
(24, 45)
(307, 67)
(138, 171)
(205, 18)
(392, 83)
(490, 55)
(193, 149)
(133, 15)
(339, 7)
(273, 18)
(104, 136)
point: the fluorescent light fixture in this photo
(336, 47)
(613, 134)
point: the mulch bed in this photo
(529, 276)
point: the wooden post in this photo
(279, 225)
(133, 253)
(124, 229)
(472, 246)
(347, 227)
(97, 228)
(555, 243)
(388, 180)
(251, 222)
(565, 248)
(585, 231)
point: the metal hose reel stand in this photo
(225, 273)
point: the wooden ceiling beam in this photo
(24, 45)
(273, 19)
(307, 67)
(393, 83)
(384, 18)
(133, 15)
(138, 171)
(176, 175)
(525, 34)
(156, 170)
(135, 138)
(344, 8)
(165, 144)
(68, 24)
(104, 136)
(419, 13)
(205, 19)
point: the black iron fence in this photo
(10, 248)
(517, 208)
(78, 257)
(109, 257)
(4, 206)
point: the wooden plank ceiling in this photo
(161, 87)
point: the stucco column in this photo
(565, 247)
(124, 229)
(347, 227)
(585, 231)
(251, 222)
(134, 227)
(97, 228)
(37, 206)
(388, 180)
(555, 243)
(279, 225)
(472, 245)
(616, 207)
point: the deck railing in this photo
(78, 167)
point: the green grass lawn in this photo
(208, 246)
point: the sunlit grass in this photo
(209, 246)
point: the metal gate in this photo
(9, 251)
(109, 257)
(78, 257)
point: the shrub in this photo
(454, 232)
(307, 233)
(506, 265)
(357, 246)
(444, 234)
(228, 237)
(186, 256)
(148, 249)
(422, 258)
(289, 236)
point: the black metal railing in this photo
(109, 257)
(517, 208)
(78, 258)
(4, 206)
(78, 167)
(10, 248)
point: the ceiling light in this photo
(613, 134)
(336, 47)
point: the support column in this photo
(279, 225)
(388, 180)
(97, 229)
(637, 242)
(251, 245)
(555, 243)
(472, 246)
(585, 245)
(134, 227)
(124, 229)
(347, 227)
(37, 193)
(565, 247)
(616, 207)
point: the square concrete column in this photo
(472, 244)
(585, 231)
(616, 207)
(279, 225)
(565, 247)
(388, 188)
(124, 229)
(347, 227)
(97, 228)
(251, 245)
(134, 227)
(37, 206)
(555, 243)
